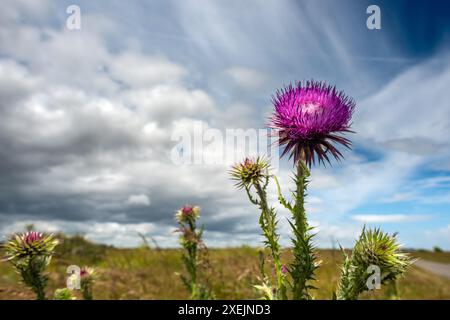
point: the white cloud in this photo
(138, 70)
(387, 218)
(138, 200)
(165, 103)
(118, 234)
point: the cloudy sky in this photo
(87, 115)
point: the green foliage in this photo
(437, 249)
(137, 273)
(373, 248)
(63, 294)
(77, 248)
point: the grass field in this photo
(144, 273)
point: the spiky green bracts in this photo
(374, 250)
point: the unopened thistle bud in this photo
(249, 172)
(373, 248)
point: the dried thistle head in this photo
(250, 171)
(30, 244)
(187, 213)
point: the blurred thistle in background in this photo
(194, 253)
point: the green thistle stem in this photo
(268, 223)
(303, 267)
(32, 275)
(299, 213)
(191, 261)
(86, 291)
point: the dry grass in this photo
(143, 273)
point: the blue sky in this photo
(88, 114)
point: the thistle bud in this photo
(250, 171)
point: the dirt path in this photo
(442, 269)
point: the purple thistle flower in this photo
(307, 118)
(187, 210)
(32, 236)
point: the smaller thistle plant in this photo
(30, 253)
(253, 176)
(192, 243)
(373, 248)
(87, 279)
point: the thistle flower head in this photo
(187, 213)
(30, 244)
(375, 247)
(87, 279)
(87, 272)
(249, 171)
(308, 118)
